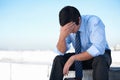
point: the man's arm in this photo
(78, 57)
(61, 45)
(82, 56)
(64, 32)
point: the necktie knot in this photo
(78, 32)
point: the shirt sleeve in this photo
(68, 41)
(97, 37)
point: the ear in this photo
(79, 20)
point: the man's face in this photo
(76, 28)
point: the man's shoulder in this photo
(90, 18)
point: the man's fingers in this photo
(69, 25)
(65, 70)
(67, 29)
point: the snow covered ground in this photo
(32, 65)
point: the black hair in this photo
(68, 14)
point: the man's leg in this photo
(101, 66)
(57, 67)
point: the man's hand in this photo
(68, 64)
(77, 57)
(67, 29)
(64, 32)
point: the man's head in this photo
(69, 14)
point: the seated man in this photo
(87, 35)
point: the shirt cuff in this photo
(93, 51)
(58, 52)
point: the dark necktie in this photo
(78, 64)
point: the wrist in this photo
(73, 58)
(62, 38)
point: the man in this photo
(94, 51)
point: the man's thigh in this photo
(87, 64)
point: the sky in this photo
(34, 24)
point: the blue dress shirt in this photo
(93, 39)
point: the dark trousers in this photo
(99, 64)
